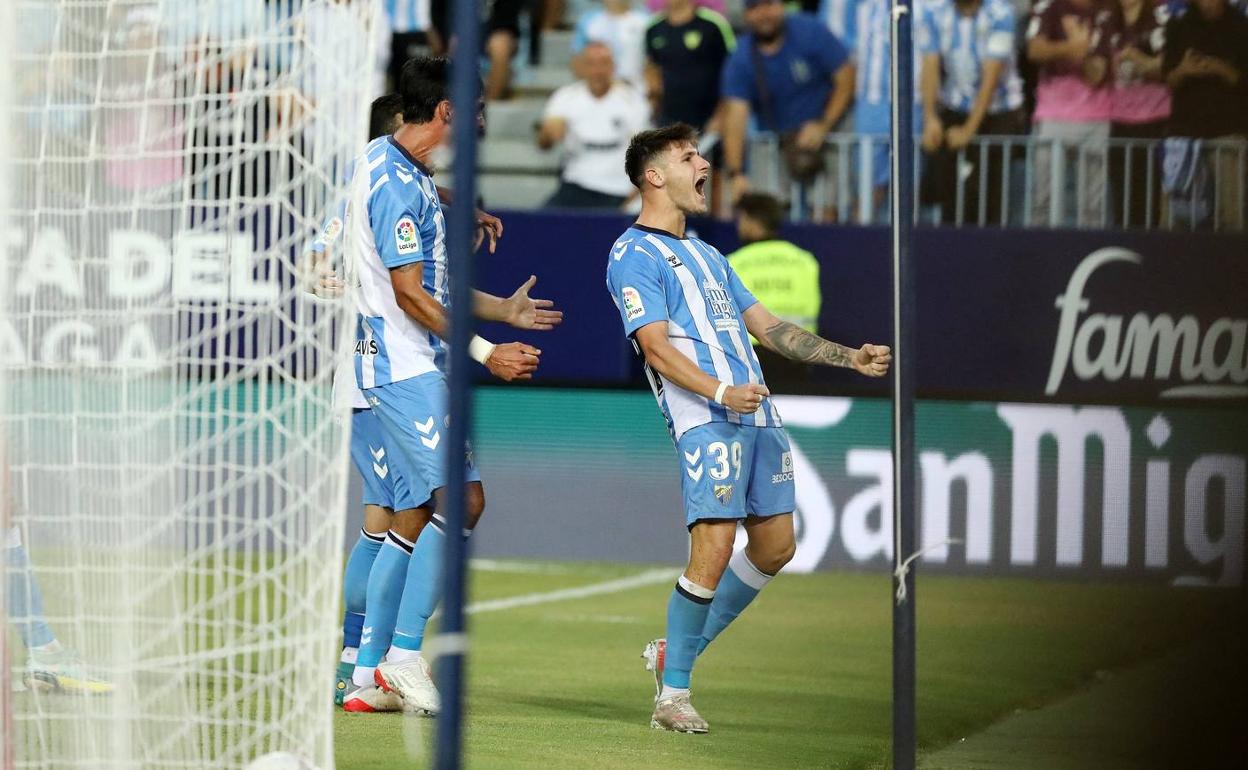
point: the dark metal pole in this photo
(452, 639)
(904, 316)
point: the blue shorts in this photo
(413, 419)
(385, 482)
(732, 471)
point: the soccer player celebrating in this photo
(688, 313)
(394, 235)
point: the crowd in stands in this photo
(1130, 107)
(1122, 113)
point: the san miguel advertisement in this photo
(1057, 490)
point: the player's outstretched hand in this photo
(873, 360)
(745, 399)
(524, 312)
(513, 361)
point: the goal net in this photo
(176, 473)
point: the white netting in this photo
(177, 475)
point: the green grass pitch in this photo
(801, 680)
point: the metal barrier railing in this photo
(1024, 181)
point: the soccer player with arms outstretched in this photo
(395, 241)
(690, 316)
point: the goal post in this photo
(178, 471)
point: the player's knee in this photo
(772, 557)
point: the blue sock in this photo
(355, 585)
(25, 600)
(737, 588)
(424, 587)
(686, 616)
(385, 592)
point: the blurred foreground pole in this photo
(904, 316)
(452, 639)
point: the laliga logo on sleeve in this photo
(405, 236)
(633, 307)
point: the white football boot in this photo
(678, 715)
(411, 679)
(371, 699)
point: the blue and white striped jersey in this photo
(964, 42)
(872, 50)
(841, 17)
(393, 218)
(654, 276)
(407, 15)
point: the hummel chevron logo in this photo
(381, 470)
(694, 456)
(378, 453)
(618, 251)
(404, 178)
(432, 443)
(426, 427)
(695, 473)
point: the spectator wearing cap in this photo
(795, 77)
(594, 119)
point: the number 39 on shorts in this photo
(725, 459)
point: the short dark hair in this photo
(646, 145)
(423, 85)
(764, 209)
(381, 117)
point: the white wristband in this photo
(480, 349)
(719, 392)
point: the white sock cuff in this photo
(402, 543)
(744, 569)
(693, 590)
(379, 537)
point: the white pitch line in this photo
(649, 577)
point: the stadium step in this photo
(543, 80)
(513, 119)
(517, 155)
(556, 48)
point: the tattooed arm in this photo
(794, 342)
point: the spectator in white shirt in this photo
(594, 119)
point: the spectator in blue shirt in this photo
(796, 78)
